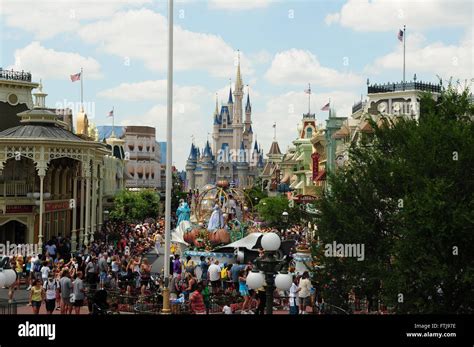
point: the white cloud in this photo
(239, 4)
(455, 60)
(389, 15)
(45, 19)
(142, 35)
(153, 91)
(287, 110)
(298, 67)
(48, 63)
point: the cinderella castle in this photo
(231, 157)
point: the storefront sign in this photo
(19, 209)
(315, 156)
(305, 199)
(56, 206)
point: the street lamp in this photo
(269, 270)
(284, 217)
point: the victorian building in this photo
(52, 181)
(230, 156)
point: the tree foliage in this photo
(271, 209)
(407, 196)
(131, 206)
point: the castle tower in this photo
(237, 124)
(190, 167)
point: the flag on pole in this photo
(111, 113)
(274, 125)
(325, 107)
(308, 91)
(76, 77)
(400, 35)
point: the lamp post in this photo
(270, 270)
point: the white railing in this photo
(15, 188)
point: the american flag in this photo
(111, 113)
(76, 77)
(325, 107)
(400, 35)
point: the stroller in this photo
(100, 306)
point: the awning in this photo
(321, 175)
(248, 242)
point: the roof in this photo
(30, 131)
(274, 149)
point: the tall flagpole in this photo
(404, 39)
(82, 95)
(113, 121)
(309, 99)
(169, 135)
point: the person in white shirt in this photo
(214, 272)
(294, 295)
(45, 270)
(51, 288)
(305, 292)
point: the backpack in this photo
(224, 274)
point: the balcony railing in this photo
(15, 75)
(400, 86)
(15, 189)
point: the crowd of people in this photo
(116, 259)
(60, 279)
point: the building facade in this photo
(230, 156)
(143, 154)
(52, 181)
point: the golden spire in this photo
(216, 112)
(238, 81)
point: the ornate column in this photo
(87, 174)
(41, 173)
(74, 214)
(81, 221)
(101, 193)
(94, 203)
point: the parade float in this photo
(219, 215)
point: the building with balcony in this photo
(390, 100)
(143, 154)
(52, 181)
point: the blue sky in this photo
(334, 45)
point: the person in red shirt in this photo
(197, 301)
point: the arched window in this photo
(309, 133)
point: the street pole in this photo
(270, 289)
(169, 136)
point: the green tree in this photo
(131, 206)
(407, 196)
(271, 209)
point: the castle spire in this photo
(238, 81)
(230, 101)
(216, 111)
